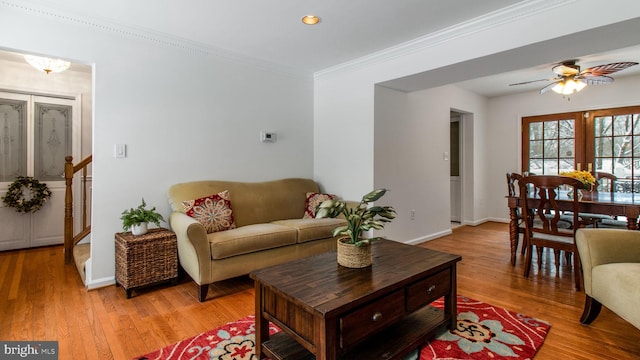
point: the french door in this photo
(36, 133)
(606, 140)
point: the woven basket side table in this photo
(146, 260)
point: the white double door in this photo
(36, 133)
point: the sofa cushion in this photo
(213, 212)
(313, 200)
(250, 238)
(312, 229)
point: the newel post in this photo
(68, 210)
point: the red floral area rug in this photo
(483, 332)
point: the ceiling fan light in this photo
(569, 86)
(47, 65)
(559, 88)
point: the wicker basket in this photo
(145, 259)
(352, 256)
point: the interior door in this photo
(36, 133)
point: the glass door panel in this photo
(615, 136)
(53, 125)
(13, 139)
(550, 147)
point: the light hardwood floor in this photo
(41, 299)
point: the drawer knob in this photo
(430, 289)
(377, 316)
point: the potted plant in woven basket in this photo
(354, 250)
(138, 218)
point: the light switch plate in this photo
(120, 151)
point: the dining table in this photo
(594, 202)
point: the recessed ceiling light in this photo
(310, 19)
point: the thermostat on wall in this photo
(267, 136)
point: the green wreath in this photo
(15, 198)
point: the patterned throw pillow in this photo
(213, 211)
(313, 200)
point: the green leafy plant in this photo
(359, 218)
(139, 215)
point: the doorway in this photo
(44, 118)
(454, 173)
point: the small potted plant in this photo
(138, 218)
(353, 249)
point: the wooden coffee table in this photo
(329, 312)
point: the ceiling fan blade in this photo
(548, 87)
(566, 69)
(532, 81)
(594, 80)
(606, 69)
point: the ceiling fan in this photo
(571, 79)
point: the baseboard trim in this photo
(436, 235)
(429, 237)
(100, 283)
(506, 221)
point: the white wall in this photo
(411, 137)
(183, 113)
(505, 125)
(345, 123)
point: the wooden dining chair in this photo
(512, 191)
(607, 182)
(541, 205)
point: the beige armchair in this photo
(611, 269)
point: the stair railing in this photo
(71, 239)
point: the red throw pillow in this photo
(313, 200)
(213, 212)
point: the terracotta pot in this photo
(352, 256)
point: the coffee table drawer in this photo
(368, 319)
(427, 290)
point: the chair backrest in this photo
(608, 181)
(512, 186)
(542, 203)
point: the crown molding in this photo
(505, 15)
(68, 16)
(482, 23)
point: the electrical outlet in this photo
(413, 214)
(267, 136)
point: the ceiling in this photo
(271, 32)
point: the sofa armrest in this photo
(193, 247)
(605, 246)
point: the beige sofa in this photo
(270, 229)
(610, 261)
